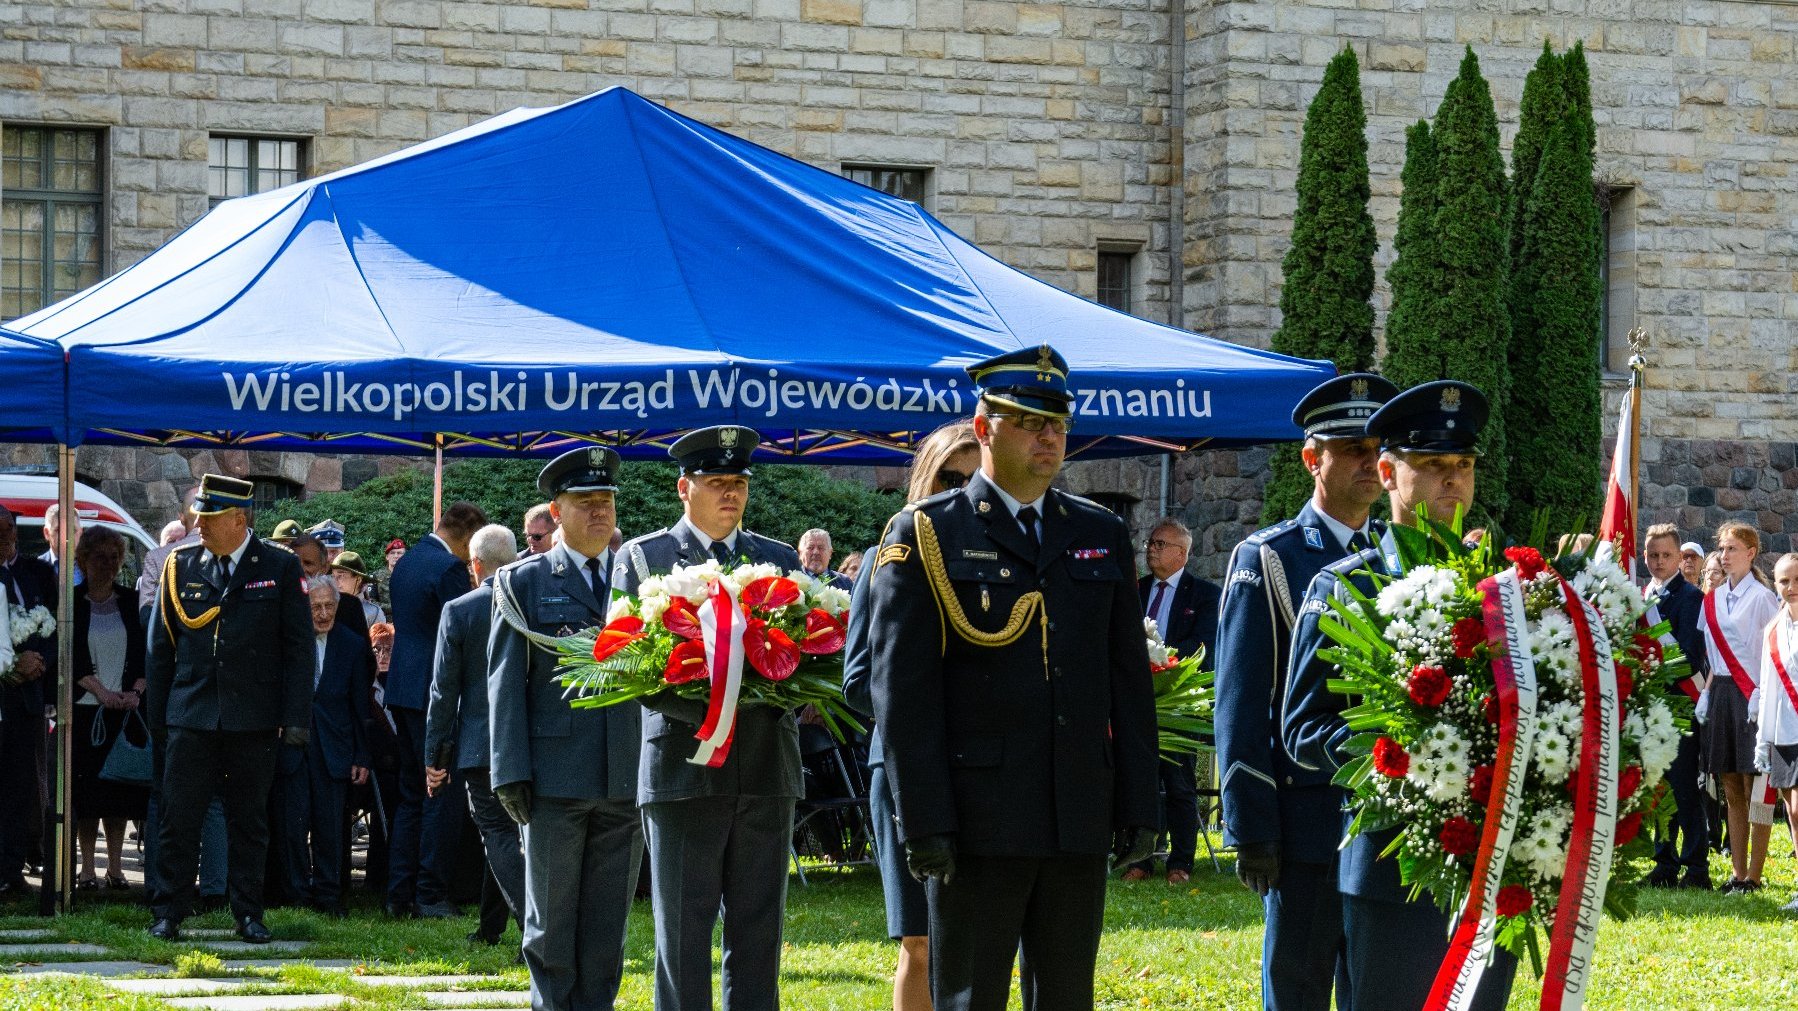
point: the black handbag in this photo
(126, 763)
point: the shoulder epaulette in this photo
(188, 547)
(940, 498)
(1350, 564)
(1266, 534)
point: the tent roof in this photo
(612, 271)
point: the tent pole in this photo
(437, 486)
(58, 892)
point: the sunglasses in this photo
(535, 537)
(951, 478)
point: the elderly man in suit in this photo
(718, 837)
(1184, 608)
(29, 582)
(1683, 844)
(456, 735)
(229, 680)
(814, 559)
(430, 575)
(567, 775)
(315, 779)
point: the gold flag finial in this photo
(1638, 343)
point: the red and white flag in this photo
(1619, 524)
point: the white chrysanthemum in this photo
(46, 621)
(1440, 778)
(1400, 630)
(1441, 587)
(1657, 739)
(1540, 852)
(1395, 600)
(1551, 757)
(654, 586)
(1150, 628)
(1157, 653)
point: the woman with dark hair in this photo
(109, 677)
(944, 460)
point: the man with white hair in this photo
(53, 535)
(814, 558)
(456, 728)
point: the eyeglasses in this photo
(535, 537)
(1157, 544)
(1034, 423)
(951, 478)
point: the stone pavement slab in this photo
(239, 947)
(164, 985)
(25, 934)
(49, 948)
(102, 969)
(209, 933)
(477, 998)
(421, 982)
(240, 964)
(266, 1002)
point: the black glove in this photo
(516, 799)
(1258, 866)
(1131, 845)
(931, 856)
(296, 737)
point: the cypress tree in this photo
(1324, 302)
(1554, 355)
(1415, 269)
(1543, 105)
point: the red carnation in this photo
(1648, 649)
(1515, 900)
(1625, 685)
(1628, 781)
(1390, 759)
(1479, 787)
(1468, 634)
(1428, 686)
(1528, 561)
(1627, 827)
(1458, 836)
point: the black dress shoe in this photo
(436, 910)
(251, 929)
(476, 937)
(396, 911)
(334, 910)
(166, 929)
(1662, 878)
(1701, 882)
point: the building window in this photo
(1616, 274)
(50, 208)
(1115, 280)
(905, 183)
(240, 166)
(270, 490)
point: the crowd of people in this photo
(271, 692)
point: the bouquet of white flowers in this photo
(26, 623)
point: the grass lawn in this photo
(1195, 947)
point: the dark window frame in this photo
(50, 200)
(1109, 291)
(270, 491)
(252, 167)
(878, 176)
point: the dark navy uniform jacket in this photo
(1682, 607)
(1312, 726)
(1267, 797)
(1036, 747)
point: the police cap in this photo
(594, 468)
(329, 533)
(721, 449)
(1033, 380)
(1440, 417)
(219, 493)
(1339, 408)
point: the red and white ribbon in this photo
(1471, 946)
(1595, 804)
(722, 624)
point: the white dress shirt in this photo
(1165, 607)
(1778, 721)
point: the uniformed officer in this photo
(1283, 820)
(718, 837)
(229, 680)
(1011, 680)
(1394, 944)
(567, 775)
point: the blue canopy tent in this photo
(609, 271)
(31, 398)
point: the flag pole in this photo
(1638, 366)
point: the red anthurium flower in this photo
(770, 593)
(1629, 781)
(1479, 786)
(1468, 633)
(616, 636)
(1528, 561)
(1458, 836)
(823, 634)
(770, 651)
(1390, 759)
(1627, 827)
(682, 618)
(686, 663)
(1515, 900)
(1428, 686)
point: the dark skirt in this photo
(907, 914)
(1784, 774)
(1728, 737)
(96, 797)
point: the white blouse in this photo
(6, 634)
(106, 643)
(1743, 625)
(1778, 719)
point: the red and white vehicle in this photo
(29, 495)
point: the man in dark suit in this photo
(229, 680)
(29, 583)
(456, 734)
(1011, 680)
(1395, 943)
(567, 775)
(718, 837)
(1184, 609)
(313, 555)
(1285, 821)
(430, 575)
(314, 779)
(1679, 603)
(814, 559)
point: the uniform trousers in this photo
(312, 828)
(580, 868)
(713, 855)
(1045, 911)
(1179, 812)
(1302, 949)
(1395, 948)
(417, 852)
(239, 767)
(1687, 835)
(499, 841)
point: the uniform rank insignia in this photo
(985, 556)
(1249, 576)
(1315, 606)
(259, 584)
(1087, 554)
(893, 553)
(1314, 538)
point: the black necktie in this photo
(593, 582)
(721, 551)
(1154, 610)
(224, 569)
(1027, 517)
(1359, 542)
